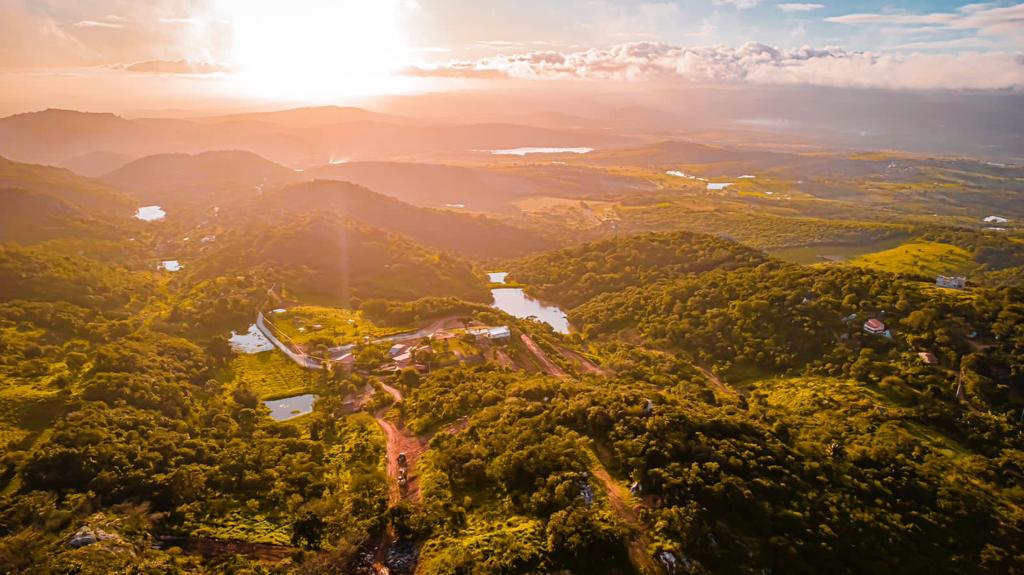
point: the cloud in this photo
(97, 24)
(752, 63)
(799, 6)
(987, 19)
(180, 21)
(108, 21)
(176, 67)
(739, 4)
(466, 70)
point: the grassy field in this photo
(272, 375)
(833, 252)
(330, 325)
(923, 258)
(573, 211)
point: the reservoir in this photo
(514, 301)
(525, 151)
(289, 407)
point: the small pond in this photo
(150, 213)
(252, 341)
(289, 407)
(514, 301)
(170, 265)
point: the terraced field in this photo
(272, 375)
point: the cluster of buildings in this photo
(953, 282)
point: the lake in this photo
(514, 301)
(150, 213)
(289, 407)
(525, 151)
(252, 341)
(497, 277)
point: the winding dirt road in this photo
(400, 441)
(622, 502)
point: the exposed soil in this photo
(621, 502)
(545, 361)
(583, 363)
(210, 548)
(400, 441)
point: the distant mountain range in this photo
(93, 142)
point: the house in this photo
(478, 332)
(874, 326)
(397, 349)
(502, 332)
(403, 359)
(928, 358)
(954, 282)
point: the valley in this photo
(329, 340)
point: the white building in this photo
(954, 282)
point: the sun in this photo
(316, 50)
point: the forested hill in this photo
(463, 234)
(39, 203)
(340, 261)
(572, 276)
(176, 179)
(786, 319)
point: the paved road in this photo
(299, 358)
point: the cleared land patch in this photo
(926, 258)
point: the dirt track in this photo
(400, 441)
(620, 499)
(545, 361)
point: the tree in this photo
(308, 530)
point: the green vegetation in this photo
(919, 258)
(575, 275)
(737, 396)
(271, 375)
(317, 325)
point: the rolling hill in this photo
(175, 179)
(323, 259)
(462, 234)
(39, 203)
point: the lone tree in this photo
(308, 529)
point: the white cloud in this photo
(754, 63)
(180, 21)
(97, 24)
(987, 19)
(739, 4)
(175, 67)
(108, 21)
(799, 6)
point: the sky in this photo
(121, 54)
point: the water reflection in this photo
(514, 301)
(289, 407)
